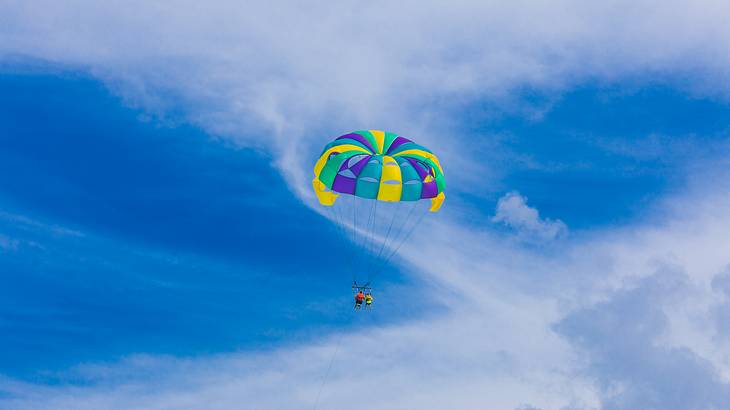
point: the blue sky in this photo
(135, 237)
(602, 154)
(160, 246)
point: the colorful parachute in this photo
(378, 165)
(357, 171)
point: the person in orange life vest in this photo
(358, 299)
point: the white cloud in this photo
(619, 337)
(521, 330)
(28, 224)
(513, 211)
(428, 372)
(18, 226)
(287, 78)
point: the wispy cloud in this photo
(26, 223)
(513, 211)
(24, 232)
(233, 71)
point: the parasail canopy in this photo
(378, 165)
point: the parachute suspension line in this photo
(395, 238)
(353, 235)
(357, 238)
(405, 239)
(327, 373)
(340, 212)
(372, 243)
(357, 223)
(366, 233)
(373, 232)
(405, 226)
(355, 206)
(408, 234)
(390, 237)
(382, 247)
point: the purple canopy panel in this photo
(422, 172)
(359, 138)
(397, 143)
(430, 190)
(345, 180)
(357, 168)
(344, 185)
